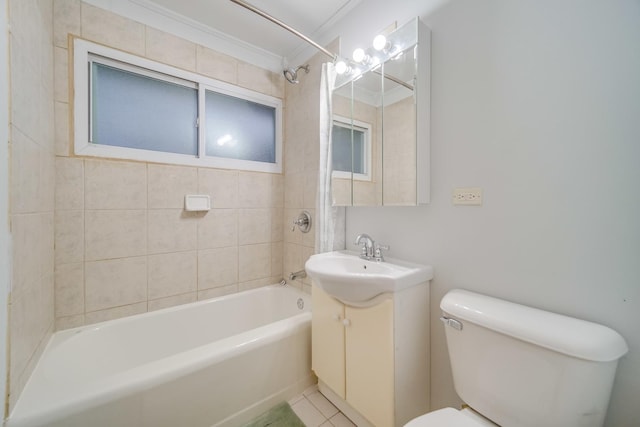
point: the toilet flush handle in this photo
(455, 324)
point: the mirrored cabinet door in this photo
(381, 125)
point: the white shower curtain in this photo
(330, 220)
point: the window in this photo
(129, 107)
(351, 149)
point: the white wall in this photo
(538, 103)
(4, 197)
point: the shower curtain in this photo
(330, 220)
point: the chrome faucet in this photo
(298, 275)
(367, 245)
(370, 249)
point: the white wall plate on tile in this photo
(197, 202)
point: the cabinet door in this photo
(369, 362)
(327, 341)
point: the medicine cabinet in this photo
(381, 124)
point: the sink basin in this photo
(351, 279)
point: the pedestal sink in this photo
(353, 280)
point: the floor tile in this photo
(322, 404)
(339, 420)
(307, 413)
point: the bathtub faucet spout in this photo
(298, 275)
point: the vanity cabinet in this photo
(374, 359)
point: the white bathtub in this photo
(217, 362)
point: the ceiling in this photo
(310, 17)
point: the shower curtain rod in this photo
(264, 14)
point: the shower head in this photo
(292, 75)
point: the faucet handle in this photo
(363, 249)
(378, 251)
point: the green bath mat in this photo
(278, 416)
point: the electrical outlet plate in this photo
(467, 196)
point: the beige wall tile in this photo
(254, 190)
(47, 185)
(308, 239)
(294, 236)
(278, 85)
(310, 189)
(277, 224)
(254, 262)
(69, 183)
(277, 254)
(217, 292)
(115, 282)
(27, 262)
(112, 30)
(220, 185)
(277, 190)
(254, 226)
(171, 230)
(25, 173)
(115, 313)
(218, 228)
(69, 289)
(294, 191)
(47, 243)
(115, 234)
(66, 19)
(255, 78)
(172, 50)
(159, 304)
(172, 274)
(115, 185)
(254, 284)
(169, 184)
(61, 75)
(68, 322)
(69, 236)
(61, 129)
(217, 267)
(292, 258)
(27, 344)
(217, 65)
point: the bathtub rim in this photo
(162, 370)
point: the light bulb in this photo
(359, 55)
(341, 67)
(379, 42)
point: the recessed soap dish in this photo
(197, 202)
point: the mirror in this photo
(380, 136)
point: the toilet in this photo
(517, 366)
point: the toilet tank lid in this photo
(563, 334)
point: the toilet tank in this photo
(521, 366)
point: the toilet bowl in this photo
(505, 356)
(449, 417)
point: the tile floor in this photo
(316, 411)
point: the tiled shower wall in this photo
(301, 160)
(31, 186)
(124, 244)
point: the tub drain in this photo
(300, 303)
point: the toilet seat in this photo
(449, 417)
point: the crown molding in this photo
(154, 15)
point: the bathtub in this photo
(218, 362)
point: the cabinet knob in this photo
(346, 322)
(336, 317)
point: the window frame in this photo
(85, 52)
(348, 123)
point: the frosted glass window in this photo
(133, 108)
(348, 157)
(239, 129)
(137, 111)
